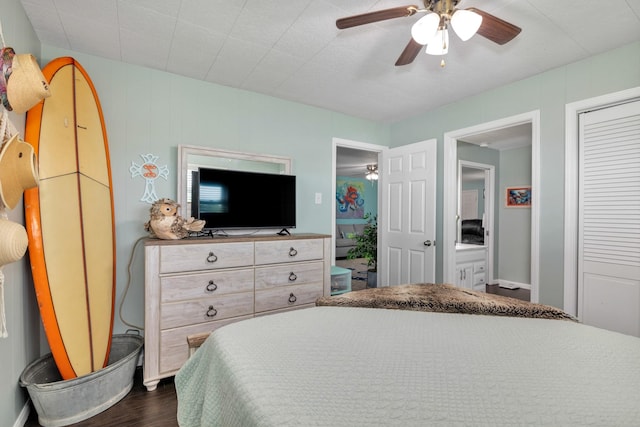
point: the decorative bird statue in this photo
(165, 223)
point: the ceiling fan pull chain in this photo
(444, 47)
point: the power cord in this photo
(126, 289)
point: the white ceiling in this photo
(291, 49)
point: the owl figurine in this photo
(165, 223)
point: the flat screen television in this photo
(231, 199)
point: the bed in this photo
(361, 366)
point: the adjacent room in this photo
(324, 212)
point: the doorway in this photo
(407, 214)
(476, 195)
(408, 227)
(450, 194)
(353, 162)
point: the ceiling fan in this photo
(372, 172)
(432, 29)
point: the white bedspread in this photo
(338, 366)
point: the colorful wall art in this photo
(349, 199)
(518, 197)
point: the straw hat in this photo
(26, 85)
(14, 241)
(17, 171)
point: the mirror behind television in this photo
(255, 192)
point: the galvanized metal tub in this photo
(60, 403)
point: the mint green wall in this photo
(370, 198)
(148, 111)
(477, 154)
(23, 321)
(548, 92)
(514, 223)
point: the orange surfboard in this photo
(70, 220)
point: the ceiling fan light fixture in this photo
(465, 23)
(372, 172)
(439, 45)
(425, 28)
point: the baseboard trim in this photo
(510, 284)
(24, 415)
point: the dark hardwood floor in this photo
(523, 294)
(140, 408)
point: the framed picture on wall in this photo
(349, 199)
(518, 197)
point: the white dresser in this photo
(196, 285)
(471, 267)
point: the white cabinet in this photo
(195, 286)
(471, 267)
(464, 275)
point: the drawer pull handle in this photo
(292, 252)
(292, 298)
(211, 286)
(292, 277)
(212, 257)
(212, 312)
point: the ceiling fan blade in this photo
(496, 29)
(380, 15)
(409, 53)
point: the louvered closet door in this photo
(609, 255)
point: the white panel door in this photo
(408, 222)
(609, 220)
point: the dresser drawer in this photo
(178, 258)
(174, 349)
(200, 285)
(204, 310)
(278, 251)
(473, 255)
(289, 274)
(479, 267)
(287, 296)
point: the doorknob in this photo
(427, 242)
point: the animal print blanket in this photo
(443, 298)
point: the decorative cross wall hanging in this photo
(150, 171)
